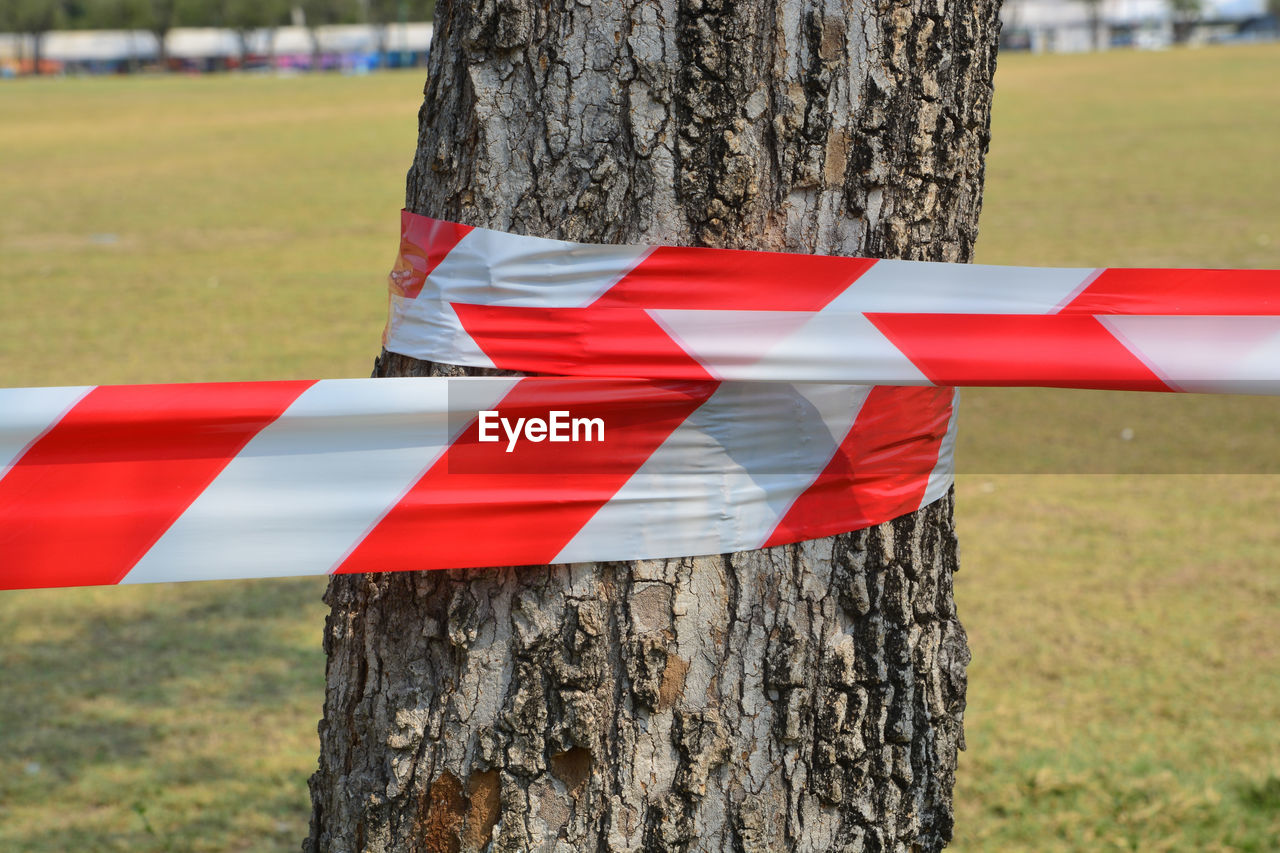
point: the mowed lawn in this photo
(1125, 626)
(1125, 686)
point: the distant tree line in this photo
(35, 18)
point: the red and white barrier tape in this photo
(488, 299)
(187, 482)
(133, 484)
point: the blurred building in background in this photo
(1035, 25)
(1081, 25)
(353, 48)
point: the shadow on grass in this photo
(175, 716)
(1263, 797)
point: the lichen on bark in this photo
(806, 697)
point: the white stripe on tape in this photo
(308, 487)
(27, 413)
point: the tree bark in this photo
(313, 33)
(805, 697)
(162, 49)
(37, 52)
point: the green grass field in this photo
(1125, 627)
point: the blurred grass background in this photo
(1125, 682)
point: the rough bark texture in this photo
(806, 697)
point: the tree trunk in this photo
(162, 49)
(1095, 24)
(37, 52)
(805, 697)
(314, 34)
(382, 37)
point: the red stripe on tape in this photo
(1070, 351)
(1172, 291)
(579, 341)
(694, 278)
(450, 518)
(881, 469)
(93, 494)
(424, 242)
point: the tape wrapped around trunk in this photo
(133, 484)
(743, 400)
(485, 298)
